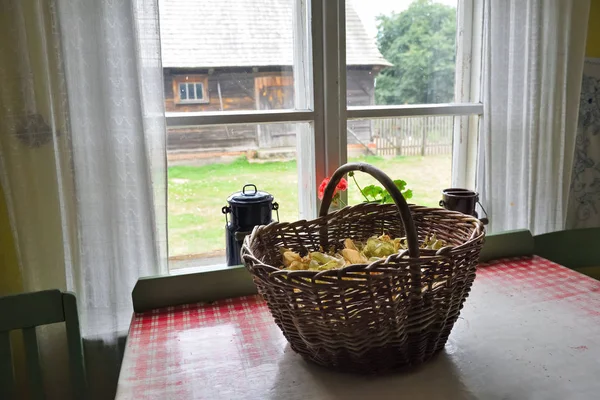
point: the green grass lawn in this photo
(197, 194)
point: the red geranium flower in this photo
(322, 188)
(342, 185)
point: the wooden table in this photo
(530, 329)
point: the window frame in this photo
(320, 98)
(190, 79)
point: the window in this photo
(322, 83)
(190, 89)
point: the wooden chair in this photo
(26, 312)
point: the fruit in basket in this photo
(327, 261)
(381, 247)
(290, 257)
(353, 256)
(433, 243)
(377, 248)
(349, 244)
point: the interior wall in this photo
(10, 277)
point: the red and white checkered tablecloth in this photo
(525, 317)
(539, 280)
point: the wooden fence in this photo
(413, 136)
(408, 136)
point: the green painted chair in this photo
(26, 312)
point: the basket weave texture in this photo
(368, 318)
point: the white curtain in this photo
(584, 197)
(532, 67)
(82, 151)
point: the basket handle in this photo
(405, 215)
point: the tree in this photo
(420, 42)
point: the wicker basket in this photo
(370, 318)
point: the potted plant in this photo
(371, 193)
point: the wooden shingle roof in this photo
(244, 33)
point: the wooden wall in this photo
(246, 91)
(237, 91)
(212, 138)
(360, 91)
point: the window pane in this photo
(182, 91)
(191, 92)
(408, 56)
(417, 150)
(199, 91)
(245, 48)
(207, 164)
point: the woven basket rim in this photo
(477, 234)
(412, 206)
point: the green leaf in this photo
(377, 193)
(387, 198)
(400, 184)
(372, 191)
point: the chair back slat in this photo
(31, 309)
(76, 361)
(26, 312)
(34, 369)
(7, 379)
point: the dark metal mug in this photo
(462, 200)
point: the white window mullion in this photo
(317, 27)
(331, 69)
(467, 87)
(342, 94)
(416, 110)
(308, 86)
(475, 89)
(203, 118)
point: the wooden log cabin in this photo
(237, 55)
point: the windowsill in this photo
(215, 282)
(198, 263)
(192, 285)
(184, 102)
(196, 267)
